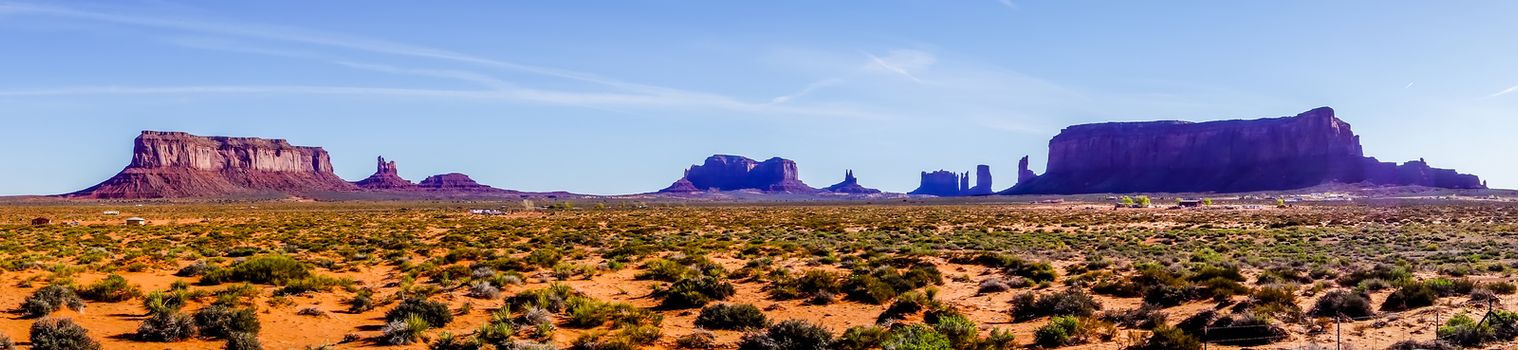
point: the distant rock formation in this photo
(982, 181)
(938, 183)
(1023, 173)
(850, 185)
(454, 182)
(385, 178)
(683, 185)
(177, 164)
(728, 172)
(944, 183)
(1305, 150)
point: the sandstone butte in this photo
(944, 183)
(850, 185)
(177, 164)
(1310, 149)
(729, 172)
(181, 165)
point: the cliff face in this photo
(176, 164)
(729, 172)
(850, 184)
(385, 178)
(1305, 150)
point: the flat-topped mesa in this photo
(385, 178)
(1309, 149)
(454, 182)
(729, 172)
(850, 185)
(177, 165)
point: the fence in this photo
(1346, 333)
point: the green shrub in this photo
(1411, 295)
(788, 335)
(48, 299)
(1167, 338)
(1038, 272)
(1144, 317)
(1275, 300)
(1060, 331)
(1383, 272)
(1070, 302)
(552, 298)
(699, 339)
(447, 341)
(1450, 287)
(243, 341)
(959, 330)
(862, 338)
(544, 257)
(868, 289)
(263, 269)
(917, 337)
(627, 338)
(1463, 330)
(731, 317)
(221, 321)
(312, 283)
(910, 303)
(406, 330)
(113, 288)
(1343, 303)
(163, 302)
(998, 339)
(435, 313)
(61, 334)
(1503, 288)
(167, 327)
(659, 269)
(1246, 329)
(587, 312)
(1423, 345)
(695, 292)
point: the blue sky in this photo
(611, 97)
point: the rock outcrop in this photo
(385, 178)
(982, 181)
(728, 172)
(683, 185)
(944, 183)
(850, 185)
(1305, 150)
(1023, 173)
(177, 164)
(453, 182)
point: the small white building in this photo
(136, 221)
(111, 213)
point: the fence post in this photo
(1204, 337)
(1338, 333)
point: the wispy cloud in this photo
(631, 93)
(1008, 3)
(806, 90)
(902, 62)
(1504, 91)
